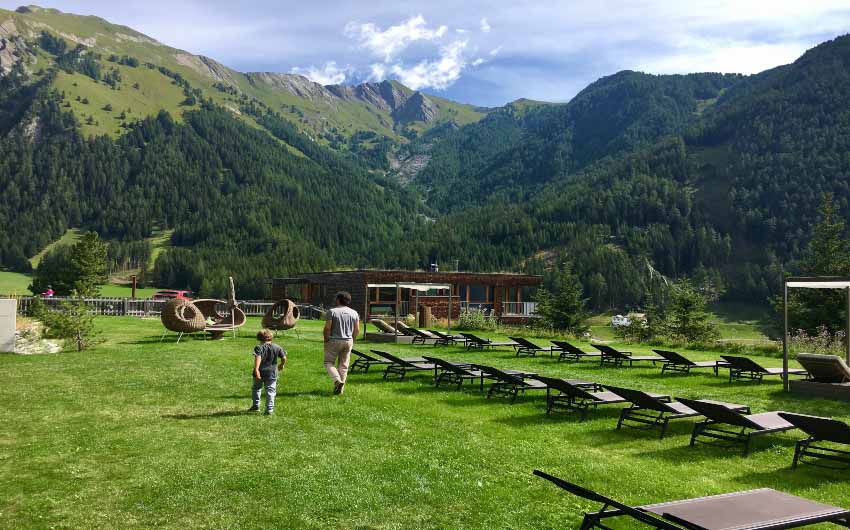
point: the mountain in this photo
(718, 177)
(708, 176)
(331, 114)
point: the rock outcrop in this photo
(207, 67)
(295, 84)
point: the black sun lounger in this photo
(448, 339)
(676, 362)
(812, 450)
(620, 358)
(572, 353)
(648, 411)
(508, 384)
(420, 337)
(759, 509)
(474, 341)
(364, 361)
(526, 347)
(400, 366)
(575, 394)
(455, 373)
(825, 368)
(731, 426)
(746, 368)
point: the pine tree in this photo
(687, 320)
(88, 260)
(563, 308)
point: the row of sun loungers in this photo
(729, 424)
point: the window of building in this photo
(479, 293)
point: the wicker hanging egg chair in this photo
(281, 316)
(182, 316)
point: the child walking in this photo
(269, 359)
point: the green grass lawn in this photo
(14, 283)
(142, 434)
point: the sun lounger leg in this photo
(798, 448)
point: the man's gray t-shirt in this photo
(269, 353)
(343, 319)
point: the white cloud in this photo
(485, 26)
(393, 40)
(439, 74)
(329, 74)
(495, 51)
(378, 72)
(478, 62)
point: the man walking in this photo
(342, 324)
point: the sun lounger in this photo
(676, 362)
(824, 368)
(364, 361)
(475, 341)
(383, 327)
(648, 411)
(572, 353)
(759, 509)
(526, 347)
(820, 430)
(421, 337)
(401, 367)
(621, 357)
(575, 394)
(449, 339)
(727, 425)
(509, 384)
(746, 368)
(455, 373)
(383, 355)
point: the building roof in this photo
(517, 275)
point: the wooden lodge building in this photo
(508, 296)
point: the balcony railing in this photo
(519, 309)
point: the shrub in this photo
(476, 320)
(71, 322)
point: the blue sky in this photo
(486, 53)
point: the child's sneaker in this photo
(338, 387)
(254, 408)
(268, 412)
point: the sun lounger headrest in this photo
(825, 368)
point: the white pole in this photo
(847, 330)
(785, 337)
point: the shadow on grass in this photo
(803, 477)
(541, 418)
(301, 393)
(209, 415)
(703, 451)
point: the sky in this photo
(484, 53)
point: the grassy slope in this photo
(148, 435)
(68, 238)
(155, 93)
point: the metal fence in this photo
(523, 309)
(147, 307)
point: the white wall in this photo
(7, 325)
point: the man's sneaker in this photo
(341, 388)
(338, 388)
(254, 408)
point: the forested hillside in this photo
(237, 199)
(714, 177)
